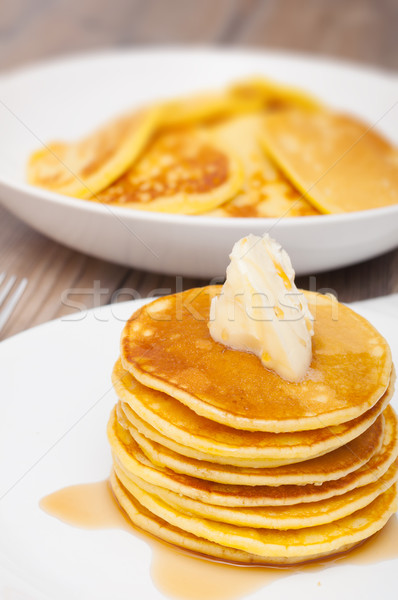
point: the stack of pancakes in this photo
(217, 454)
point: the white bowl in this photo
(67, 98)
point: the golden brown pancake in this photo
(213, 441)
(272, 96)
(206, 108)
(339, 163)
(182, 171)
(245, 96)
(84, 168)
(277, 200)
(150, 523)
(266, 191)
(134, 462)
(297, 516)
(331, 466)
(303, 543)
(167, 346)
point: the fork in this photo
(9, 297)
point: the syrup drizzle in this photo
(183, 576)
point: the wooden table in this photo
(364, 31)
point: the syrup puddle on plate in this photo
(183, 576)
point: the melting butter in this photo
(260, 309)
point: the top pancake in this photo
(338, 163)
(166, 345)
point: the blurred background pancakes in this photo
(309, 473)
(255, 149)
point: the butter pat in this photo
(260, 309)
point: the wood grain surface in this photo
(62, 280)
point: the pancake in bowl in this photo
(84, 168)
(271, 95)
(182, 171)
(205, 108)
(266, 192)
(338, 163)
(243, 97)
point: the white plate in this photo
(55, 401)
(67, 98)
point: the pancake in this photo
(258, 463)
(207, 107)
(235, 461)
(84, 168)
(329, 467)
(297, 516)
(209, 440)
(298, 544)
(245, 96)
(272, 96)
(288, 495)
(167, 346)
(150, 523)
(276, 200)
(339, 163)
(266, 191)
(157, 527)
(134, 462)
(183, 170)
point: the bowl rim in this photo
(94, 207)
(174, 49)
